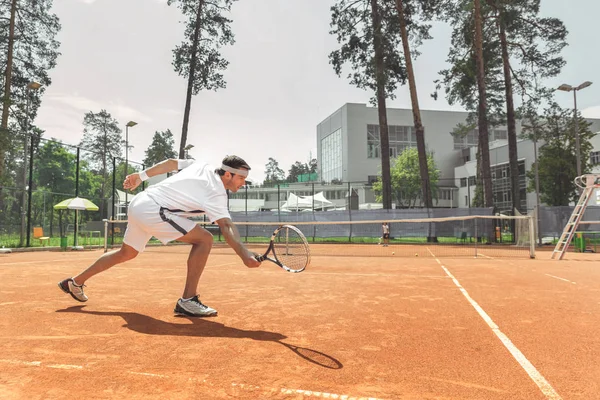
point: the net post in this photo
(531, 237)
(349, 213)
(105, 235)
(476, 237)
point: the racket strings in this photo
(290, 249)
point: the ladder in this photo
(588, 183)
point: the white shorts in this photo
(145, 219)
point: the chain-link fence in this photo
(41, 173)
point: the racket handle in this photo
(260, 258)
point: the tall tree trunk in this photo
(190, 86)
(420, 130)
(510, 121)
(4, 136)
(386, 182)
(484, 140)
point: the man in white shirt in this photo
(161, 210)
(386, 234)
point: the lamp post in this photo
(568, 88)
(127, 126)
(30, 86)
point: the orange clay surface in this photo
(346, 328)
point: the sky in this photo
(117, 54)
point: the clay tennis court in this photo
(346, 328)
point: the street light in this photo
(568, 88)
(127, 126)
(30, 86)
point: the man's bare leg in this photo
(201, 241)
(108, 260)
(74, 286)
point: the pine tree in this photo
(198, 58)
(161, 148)
(102, 133)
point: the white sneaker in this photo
(76, 291)
(193, 308)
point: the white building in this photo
(348, 150)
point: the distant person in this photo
(161, 210)
(386, 234)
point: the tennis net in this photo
(470, 236)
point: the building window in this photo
(331, 150)
(499, 134)
(463, 182)
(493, 175)
(373, 148)
(400, 138)
(471, 181)
(595, 157)
(466, 201)
(471, 139)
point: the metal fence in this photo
(40, 173)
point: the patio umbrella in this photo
(77, 204)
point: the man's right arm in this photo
(234, 240)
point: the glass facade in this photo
(331, 153)
(471, 139)
(501, 187)
(400, 137)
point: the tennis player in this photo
(386, 234)
(161, 211)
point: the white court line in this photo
(65, 366)
(39, 364)
(149, 374)
(47, 261)
(562, 279)
(30, 363)
(304, 393)
(483, 255)
(383, 275)
(533, 373)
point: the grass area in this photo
(12, 241)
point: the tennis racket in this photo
(288, 249)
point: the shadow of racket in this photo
(314, 356)
(201, 327)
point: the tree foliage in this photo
(273, 173)
(299, 168)
(29, 52)
(161, 148)
(198, 57)
(557, 160)
(520, 50)
(406, 179)
(102, 133)
(369, 34)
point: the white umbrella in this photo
(77, 204)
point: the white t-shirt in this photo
(195, 189)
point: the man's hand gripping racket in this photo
(288, 249)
